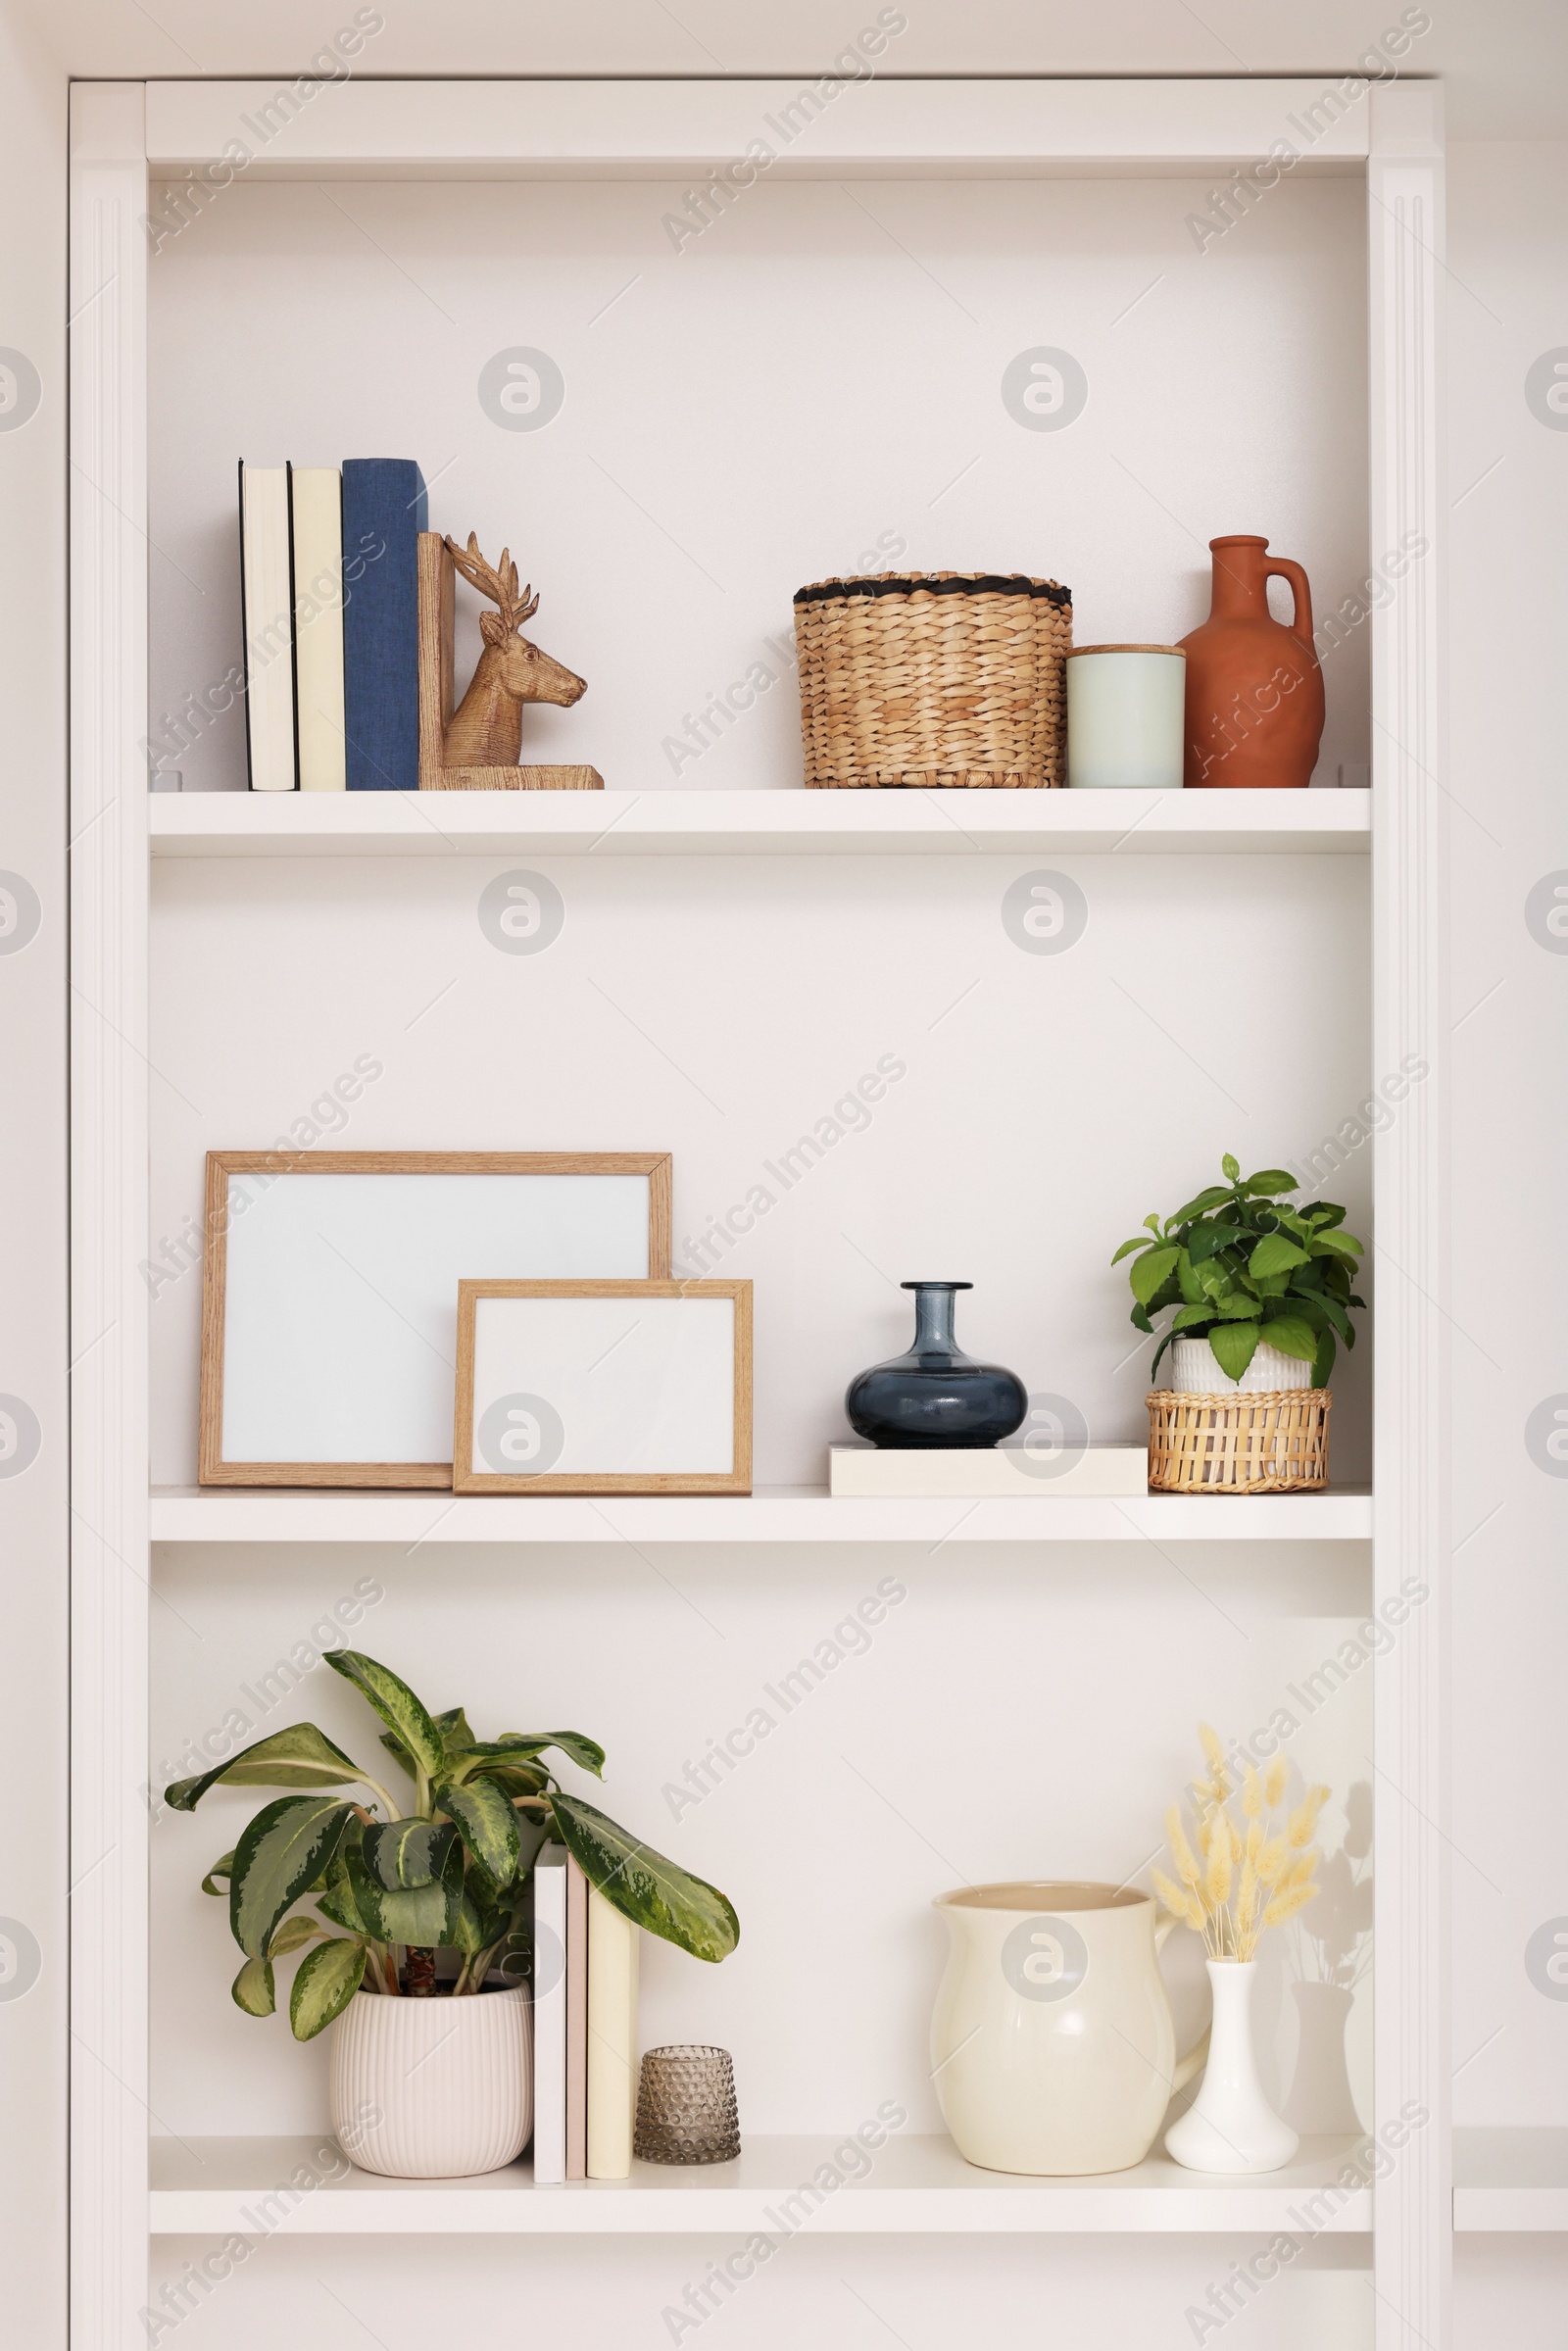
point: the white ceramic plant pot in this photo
(433, 2089)
(1230, 2125)
(1051, 2045)
(1194, 1371)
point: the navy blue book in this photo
(383, 514)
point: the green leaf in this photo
(299, 1757)
(253, 1989)
(1325, 1213)
(1323, 1360)
(1231, 1168)
(1187, 1283)
(1268, 1181)
(1292, 1336)
(1234, 1344)
(1187, 1316)
(453, 1725)
(1139, 1318)
(1337, 1244)
(1208, 1240)
(1238, 1308)
(395, 1702)
(421, 1914)
(285, 1848)
(407, 1853)
(1212, 1198)
(341, 1908)
(224, 1870)
(1151, 1272)
(586, 1754)
(324, 1985)
(489, 1823)
(293, 1934)
(1139, 1240)
(1274, 1254)
(644, 1887)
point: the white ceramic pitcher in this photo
(1052, 2045)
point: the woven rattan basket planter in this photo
(934, 677)
(1273, 1442)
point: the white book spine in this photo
(315, 511)
(269, 613)
(550, 2016)
(612, 2041)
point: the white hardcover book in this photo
(316, 513)
(1040, 1470)
(612, 2043)
(266, 618)
(550, 2016)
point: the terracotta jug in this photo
(1254, 690)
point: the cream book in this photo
(576, 2021)
(976, 1473)
(316, 516)
(550, 2016)
(612, 2048)
(267, 623)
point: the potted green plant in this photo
(419, 1900)
(1261, 1291)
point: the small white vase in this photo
(433, 2089)
(1194, 1371)
(1230, 2125)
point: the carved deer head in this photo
(486, 729)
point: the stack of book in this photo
(585, 2052)
(330, 609)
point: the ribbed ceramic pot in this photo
(433, 2089)
(1194, 1371)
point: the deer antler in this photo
(498, 581)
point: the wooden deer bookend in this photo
(475, 748)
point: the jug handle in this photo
(1279, 566)
(1198, 2054)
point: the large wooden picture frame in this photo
(404, 1307)
(706, 1367)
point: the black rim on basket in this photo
(972, 583)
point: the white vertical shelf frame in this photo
(108, 1212)
(1413, 2236)
(477, 130)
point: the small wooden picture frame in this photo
(630, 1387)
(329, 1308)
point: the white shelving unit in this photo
(671, 823)
(1512, 2181)
(780, 1514)
(423, 139)
(918, 2186)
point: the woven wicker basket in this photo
(934, 677)
(1273, 1442)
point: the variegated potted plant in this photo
(420, 1908)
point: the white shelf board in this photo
(776, 1514)
(1510, 2179)
(889, 127)
(281, 824)
(916, 2187)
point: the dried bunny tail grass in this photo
(1303, 1819)
(1252, 1793)
(1214, 1756)
(1274, 1783)
(1255, 1843)
(1272, 1860)
(1173, 1896)
(1217, 1886)
(1245, 1923)
(1234, 1836)
(1301, 1871)
(1286, 1905)
(1181, 1851)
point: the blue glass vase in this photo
(936, 1394)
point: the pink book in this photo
(576, 2022)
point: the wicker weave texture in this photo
(1272, 1442)
(904, 681)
